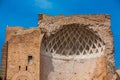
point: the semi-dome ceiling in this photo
(73, 40)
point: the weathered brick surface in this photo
(4, 60)
(100, 24)
(20, 47)
(10, 31)
(27, 42)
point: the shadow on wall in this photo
(118, 77)
(1, 78)
(46, 66)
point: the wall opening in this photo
(30, 59)
(19, 67)
(26, 68)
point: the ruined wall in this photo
(24, 43)
(24, 55)
(73, 52)
(4, 60)
(100, 24)
(10, 31)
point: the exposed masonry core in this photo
(76, 41)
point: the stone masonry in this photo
(77, 47)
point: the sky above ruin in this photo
(24, 13)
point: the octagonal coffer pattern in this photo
(73, 40)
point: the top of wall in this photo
(14, 31)
(51, 23)
(92, 17)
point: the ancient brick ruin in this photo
(77, 47)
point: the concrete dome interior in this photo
(67, 50)
(73, 40)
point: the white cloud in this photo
(45, 4)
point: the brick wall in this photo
(20, 47)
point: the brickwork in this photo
(4, 60)
(27, 59)
(20, 47)
(100, 24)
(10, 31)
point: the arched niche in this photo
(69, 41)
(68, 50)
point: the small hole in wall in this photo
(26, 68)
(30, 59)
(15, 32)
(19, 67)
(75, 73)
(59, 73)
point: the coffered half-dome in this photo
(73, 40)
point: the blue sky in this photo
(24, 13)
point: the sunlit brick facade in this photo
(77, 47)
